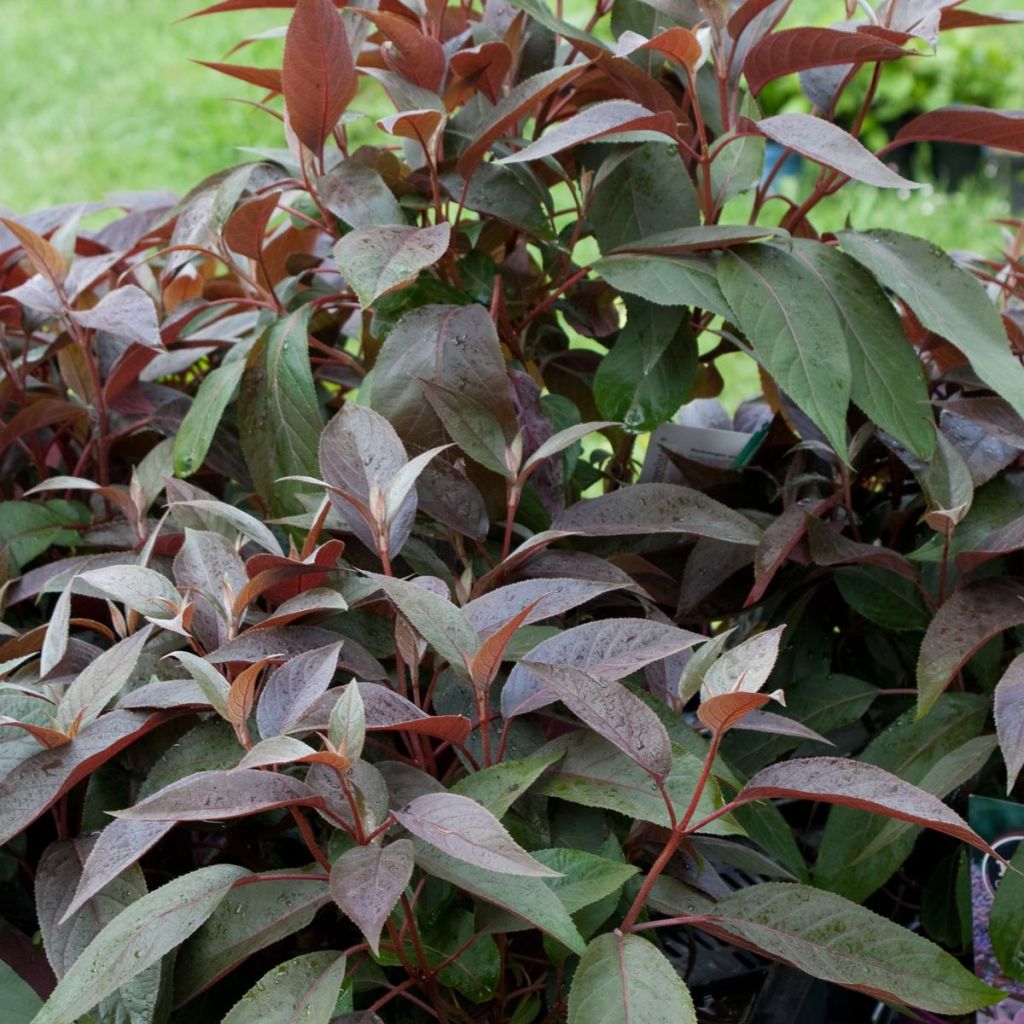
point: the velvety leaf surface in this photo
(831, 938)
(1009, 713)
(611, 711)
(462, 828)
(137, 938)
(828, 144)
(367, 882)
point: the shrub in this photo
(405, 696)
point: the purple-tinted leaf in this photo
(291, 689)
(656, 508)
(777, 725)
(1003, 541)
(143, 590)
(708, 236)
(594, 122)
(831, 548)
(549, 597)
(1009, 712)
(797, 49)
(56, 642)
(367, 882)
(463, 829)
(828, 144)
(836, 780)
(964, 624)
(33, 785)
(212, 684)
(609, 649)
(136, 939)
(219, 795)
(248, 919)
(209, 572)
(526, 96)
(830, 937)
(289, 641)
(116, 849)
(379, 260)
(244, 523)
(611, 711)
(357, 194)
(127, 312)
(559, 442)
(319, 76)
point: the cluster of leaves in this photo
(322, 619)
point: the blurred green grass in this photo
(100, 96)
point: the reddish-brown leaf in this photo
(831, 548)
(963, 625)
(48, 738)
(956, 17)
(745, 15)
(246, 227)
(319, 76)
(484, 664)
(978, 126)
(265, 78)
(44, 257)
(1003, 541)
(246, 5)
(798, 49)
(408, 52)
(516, 105)
(482, 68)
(46, 412)
(721, 713)
(837, 780)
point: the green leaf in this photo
(379, 260)
(831, 938)
(791, 322)
(528, 898)
(1006, 923)
(249, 918)
(882, 597)
(909, 749)
(443, 625)
(145, 591)
(666, 280)
(649, 372)
(511, 194)
(195, 435)
(304, 989)
(887, 381)
(641, 192)
(596, 774)
(137, 938)
(28, 528)
(624, 979)
(499, 786)
(471, 425)
(278, 414)
(346, 729)
(586, 878)
(946, 299)
(17, 997)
